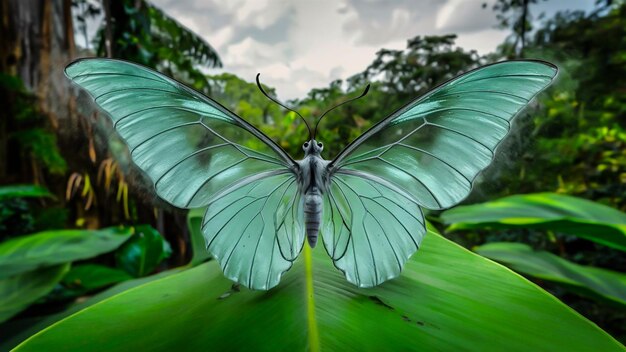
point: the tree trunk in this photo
(36, 43)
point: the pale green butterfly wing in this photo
(255, 230)
(431, 150)
(371, 228)
(190, 146)
(198, 153)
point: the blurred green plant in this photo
(545, 211)
(597, 283)
(143, 252)
(25, 131)
(32, 265)
(558, 217)
(36, 267)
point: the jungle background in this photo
(66, 176)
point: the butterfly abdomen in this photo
(312, 214)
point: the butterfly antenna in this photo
(338, 105)
(258, 83)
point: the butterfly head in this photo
(312, 147)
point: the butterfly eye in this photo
(306, 144)
(319, 144)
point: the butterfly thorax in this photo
(312, 185)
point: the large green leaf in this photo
(546, 211)
(447, 299)
(143, 252)
(595, 282)
(12, 333)
(19, 291)
(48, 248)
(23, 191)
(87, 277)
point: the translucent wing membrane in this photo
(426, 154)
(435, 147)
(190, 146)
(371, 228)
(255, 229)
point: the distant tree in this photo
(138, 31)
(515, 15)
(37, 39)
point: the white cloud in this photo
(299, 45)
(466, 16)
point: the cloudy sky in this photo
(299, 45)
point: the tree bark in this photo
(36, 43)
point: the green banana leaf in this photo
(49, 248)
(24, 191)
(545, 211)
(448, 299)
(593, 282)
(19, 291)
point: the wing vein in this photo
(195, 193)
(503, 76)
(199, 151)
(436, 157)
(160, 133)
(139, 88)
(414, 177)
(462, 134)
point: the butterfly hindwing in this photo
(189, 145)
(255, 230)
(371, 228)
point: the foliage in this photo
(597, 283)
(144, 34)
(27, 129)
(578, 135)
(516, 15)
(43, 249)
(85, 278)
(23, 191)
(15, 331)
(17, 292)
(31, 266)
(428, 308)
(555, 218)
(16, 215)
(545, 211)
(143, 252)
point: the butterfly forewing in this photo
(190, 146)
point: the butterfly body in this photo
(262, 205)
(312, 178)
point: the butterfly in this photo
(261, 203)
